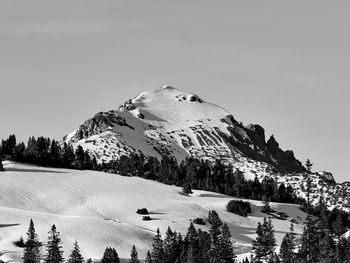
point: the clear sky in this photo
(282, 64)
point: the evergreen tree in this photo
(186, 189)
(226, 247)
(214, 219)
(214, 252)
(110, 256)
(338, 227)
(75, 256)
(282, 193)
(157, 248)
(133, 255)
(148, 258)
(265, 243)
(287, 253)
(1, 166)
(171, 246)
(203, 246)
(266, 208)
(192, 240)
(326, 249)
(285, 250)
(54, 252)
(79, 158)
(308, 165)
(31, 252)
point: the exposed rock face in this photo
(100, 123)
(326, 176)
(170, 121)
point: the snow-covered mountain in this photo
(181, 124)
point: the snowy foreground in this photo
(99, 210)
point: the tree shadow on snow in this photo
(11, 169)
(8, 225)
(156, 213)
(215, 195)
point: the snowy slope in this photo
(181, 124)
(98, 209)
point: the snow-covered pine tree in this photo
(134, 258)
(54, 252)
(75, 256)
(31, 252)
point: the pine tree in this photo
(308, 165)
(203, 246)
(186, 189)
(31, 252)
(75, 256)
(326, 249)
(214, 219)
(258, 243)
(54, 252)
(110, 256)
(338, 226)
(1, 166)
(133, 255)
(171, 246)
(226, 247)
(148, 258)
(265, 243)
(266, 208)
(157, 248)
(214, 251)
(287, 253)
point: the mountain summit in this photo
(168, 121)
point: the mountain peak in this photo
(167, 87)
(169, 121)
(166, 93)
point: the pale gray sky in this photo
(282, 64)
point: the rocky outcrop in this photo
(100, 123)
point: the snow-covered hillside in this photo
(99, 210)
(181, 124)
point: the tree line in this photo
(196, 246)
(46, 152)
(191, 172)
